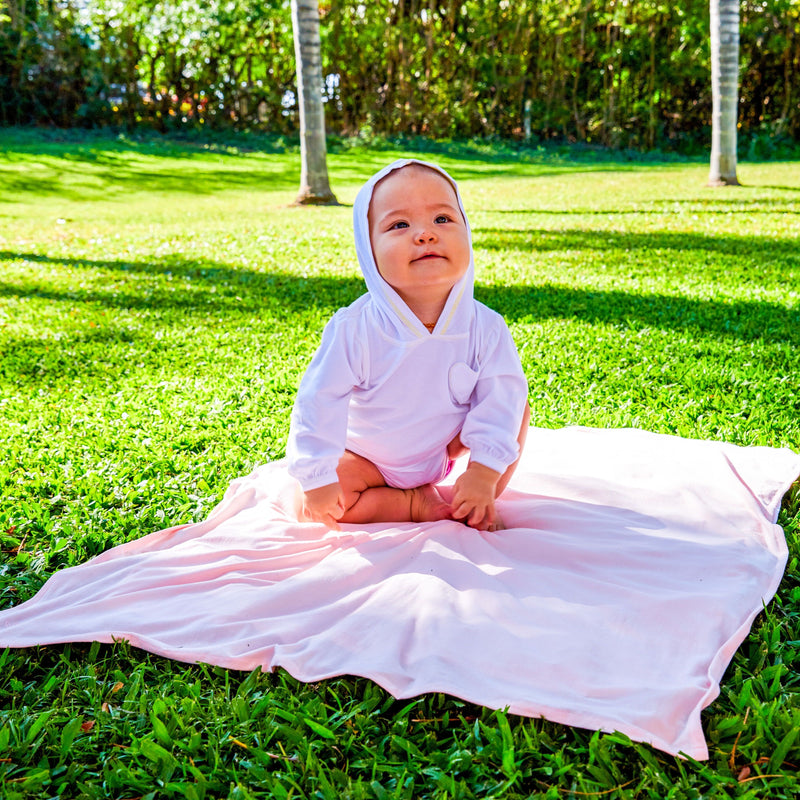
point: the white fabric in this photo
(631, 570)
(398, 404)
(394, 316)
(384, 387)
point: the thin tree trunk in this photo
(580, 128)
(780, 129)
(131, 86)
(724, 91)
(314, 186)
(651, 90)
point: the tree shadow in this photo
(73, 181)
(91, 144)
(527, 170)
(543, 239)
(783, 204)
(741, 320)
(213, 284)
(220, 288)
(795, 189)
(44, 361)
(768, 205)
(80, 170)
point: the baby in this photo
(413, 374)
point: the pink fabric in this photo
(632, 568)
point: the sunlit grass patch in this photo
(158, 304)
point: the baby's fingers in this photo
(334, 513)
(326, 519)
(331, 522)
(481, 518)
(476, 515)
(462, 510)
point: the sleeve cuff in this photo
(498, 465)
(308, 482)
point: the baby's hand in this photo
(473, 496)
(325, 504)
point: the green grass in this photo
(158, 304)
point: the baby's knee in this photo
(456, 448)
(526, 423)
(357, 473)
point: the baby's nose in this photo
(425, 236)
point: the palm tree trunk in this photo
(724, 91)
(314, 186)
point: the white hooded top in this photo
(384, 387)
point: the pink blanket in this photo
(632, 568)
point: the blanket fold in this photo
(632, 567)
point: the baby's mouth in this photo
(427, 256)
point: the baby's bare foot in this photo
(427, 505)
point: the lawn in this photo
(159, 301)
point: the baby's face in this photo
(419, 237)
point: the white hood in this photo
(396, 316)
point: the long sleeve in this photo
(318, 429)
(491, 427)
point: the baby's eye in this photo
(442, 218)
(398, 225)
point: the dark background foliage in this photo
(616, 73)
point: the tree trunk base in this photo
(723, 182)
(310, 199)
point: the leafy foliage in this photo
(158, 303)
(615, 73)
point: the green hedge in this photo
(618, 73)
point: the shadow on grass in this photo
(89, 144)
(684, 205)
(104, 175)
(541, 239)
(270, 161)
(109, 176)
(220, 289)
(212, 286)
(741, 320)
(83, 355)
(92, 166)
(795, 189)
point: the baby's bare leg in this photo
(523, 435)
(456, 448)
(369, 499)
